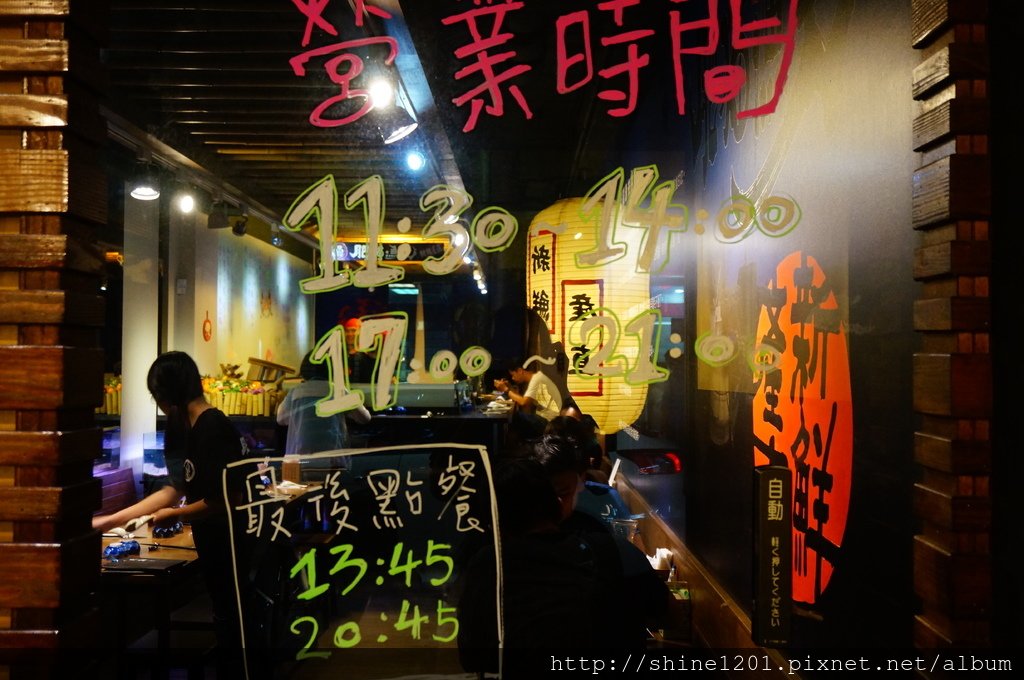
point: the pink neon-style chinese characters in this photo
(724, 83)
(313, 11)
(488, 96)
(565, 62)
(342, 70)
(630, 67)
(362, 8)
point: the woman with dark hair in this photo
(207, 442)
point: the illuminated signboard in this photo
(355, 251)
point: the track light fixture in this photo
(145, 186)
(394, 123)
(275, 235)
(218, 218)
(238, 228)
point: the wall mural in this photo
(255, 315)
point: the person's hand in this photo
(164, 518)
(501, 385)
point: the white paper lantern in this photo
(613, 296)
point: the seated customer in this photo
(561, 591)
(562, 459)
(307, 431)
(572, 422)
(536, 397)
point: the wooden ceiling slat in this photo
(212, 79)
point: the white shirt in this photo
(543, 391)
(308, 432)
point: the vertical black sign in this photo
(773, 579)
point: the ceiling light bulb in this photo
(415, 160)
(186, 203)
(381, 93)
(145, 192)
(146, 187)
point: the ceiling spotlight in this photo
(395, 123)
(381, 93)
(415, 160)
(238, 228)
(218, 218)
(275, 235)
(186, 201)
(146, 187)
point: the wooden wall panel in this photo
(951, 188)
(954, 116)
(50, 307)
(52, 198)
(952, 313)
(34, 181)
(48, 252)
(963, 258)
(960, 585)
(950, 454)
(50, 377)
(930, 18)
(957, 385)
(952, 373)
(33, 56)
(49, 448)
(952, 62)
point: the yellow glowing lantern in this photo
(597, 304)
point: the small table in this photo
(162, 566)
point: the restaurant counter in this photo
(394, 428)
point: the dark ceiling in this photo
(213, 80)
